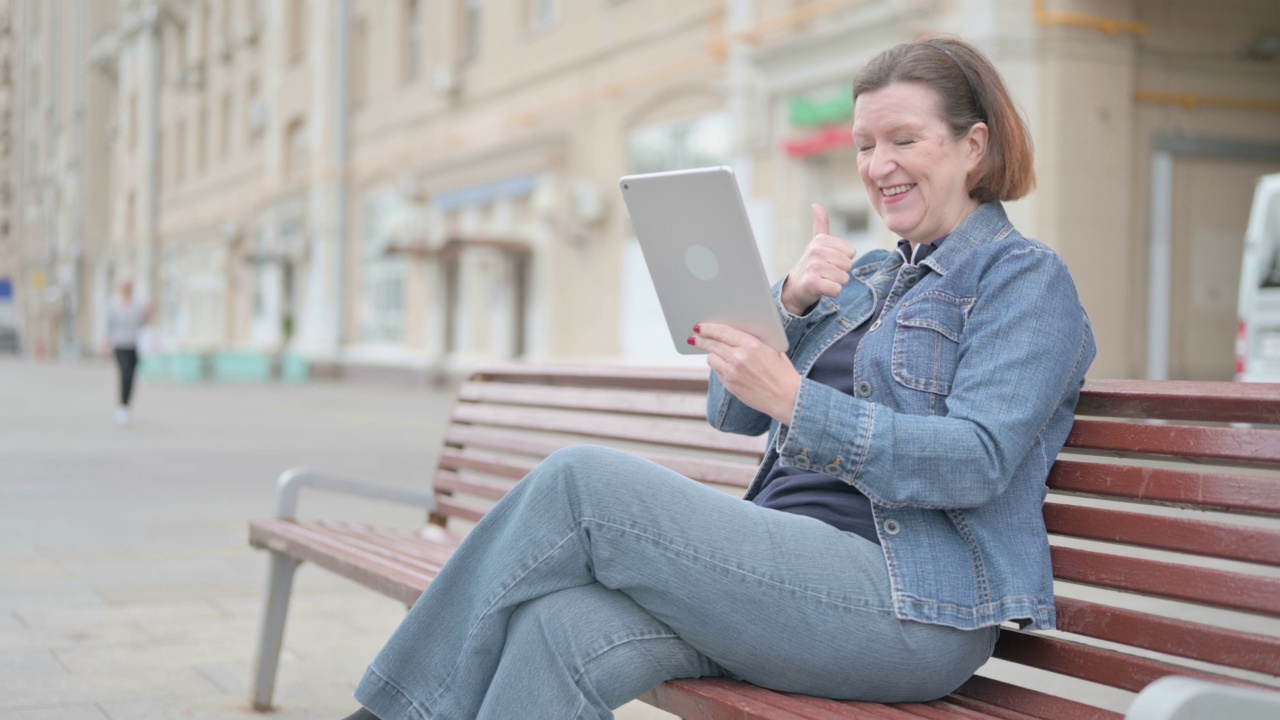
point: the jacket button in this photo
(874, 326)
(863, 389)
(912, 280)
(892, 527)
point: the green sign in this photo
(830, 110)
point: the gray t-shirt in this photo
(124, 323)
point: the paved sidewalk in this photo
(127, 587)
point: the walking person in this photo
(125, 319)
(896, 520)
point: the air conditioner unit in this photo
(446, 79)
(257, 115)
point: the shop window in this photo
(412, 41)
(541, 15)
(388, 221)
(468, 30)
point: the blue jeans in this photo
(601, 575)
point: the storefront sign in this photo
(829, 138)
(808, 112)
(827, 115)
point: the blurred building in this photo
(424, 185)
(8, 243)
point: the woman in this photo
(896, 519)
(125, 319)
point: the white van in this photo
(1258, 335)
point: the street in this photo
(128, 590)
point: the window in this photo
(468, 30)
(228, 24)
(359, 61)
(133, 122)
(412, 41)
(297, 30)
(202, 139)
(541, 15)
(254, 112)
(206, 23)
(297, 158)
(179, 151)
(382, 289)
(224, 127)
(179, 53)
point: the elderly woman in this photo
(896, 519)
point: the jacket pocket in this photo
(926, 341)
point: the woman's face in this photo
(912, 167)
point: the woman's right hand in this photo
(823, 268)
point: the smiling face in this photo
(912, 165)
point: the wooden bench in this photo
(1164, 515)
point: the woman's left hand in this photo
(753, 372)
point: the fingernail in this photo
(697, 328)
(692, 340)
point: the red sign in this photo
(828, 138)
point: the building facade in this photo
(425, 185)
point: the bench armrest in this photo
(292, 482)
(1184, 698)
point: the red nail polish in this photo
(691, 340)
(697, 328)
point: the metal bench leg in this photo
(271, 632)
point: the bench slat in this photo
(714, 699)
(1102, 666)
(449, 482)
(707, 470)
(457, 459)
(597, 425)
(384, 578)
(679, 379)
(666, 404)
(1245, 651)
(428, 555)
(1182, 400)
(990, 692)
(1220, 444)
(451, 507)
(1197, 537)
(1217, 588)
(1209, 490)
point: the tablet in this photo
(693, 230)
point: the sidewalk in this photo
(127, 587)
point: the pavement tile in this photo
(21, 665)
(56, 712)
(18, 637)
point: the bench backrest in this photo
(1164, 517)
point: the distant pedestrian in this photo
(125, 318)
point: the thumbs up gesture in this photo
(823, 268)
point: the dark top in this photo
(808, 491)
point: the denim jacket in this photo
(964, 392)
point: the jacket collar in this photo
(985, 225)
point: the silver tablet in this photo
(696, 239)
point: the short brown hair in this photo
(972, 91)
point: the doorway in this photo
(1200, 196)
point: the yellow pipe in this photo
(788, 20)
(1110, 26)
(1192, 101)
